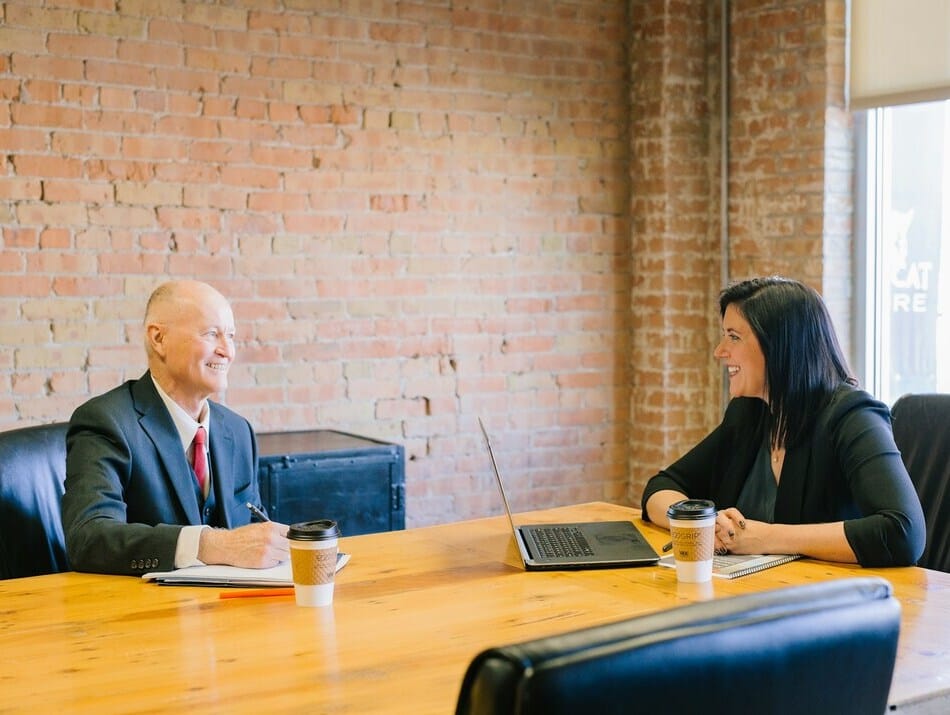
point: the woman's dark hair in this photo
(803, 360)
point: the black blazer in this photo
(130, 489)
(848, 470)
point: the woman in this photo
(803, 461)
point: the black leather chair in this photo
(922, 433)
(821, 648)
(32, 472)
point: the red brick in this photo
(421, 213)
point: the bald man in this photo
(137, 497)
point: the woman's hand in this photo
(732, 532)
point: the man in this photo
(134, 502)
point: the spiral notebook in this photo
(738, 565)
(276, 576)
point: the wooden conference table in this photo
(412, 608)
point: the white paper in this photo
(279, 575)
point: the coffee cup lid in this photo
(691, 509)
(318, 530)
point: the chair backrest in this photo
(32, 472)
(821, 648)
(922, 434)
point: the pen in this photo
(667, 546)
(256, 512)
(257, 592)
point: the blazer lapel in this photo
(158, 425)
(805, 487)
(222, 464)
(790, 498)
(741, 446)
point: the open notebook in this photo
(277, 576)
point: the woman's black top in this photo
(849, 470)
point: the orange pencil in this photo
(251, 593)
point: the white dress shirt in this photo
(186, 551)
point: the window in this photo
(903, 243)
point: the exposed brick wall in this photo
(791, 154)
(422, 212)
(838, 217)
(790, 159)
(418, 210)
(675, 99)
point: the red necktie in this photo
(200, 459)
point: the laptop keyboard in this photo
(561, 541)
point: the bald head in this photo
(171, 299)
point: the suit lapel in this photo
(222, 463)
(790, 498)
(807, 490)
(158, 425)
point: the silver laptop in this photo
(585, 545)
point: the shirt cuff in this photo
(186, 551)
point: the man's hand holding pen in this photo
(257, 545)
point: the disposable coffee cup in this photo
(313, 547)
(693, 532)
